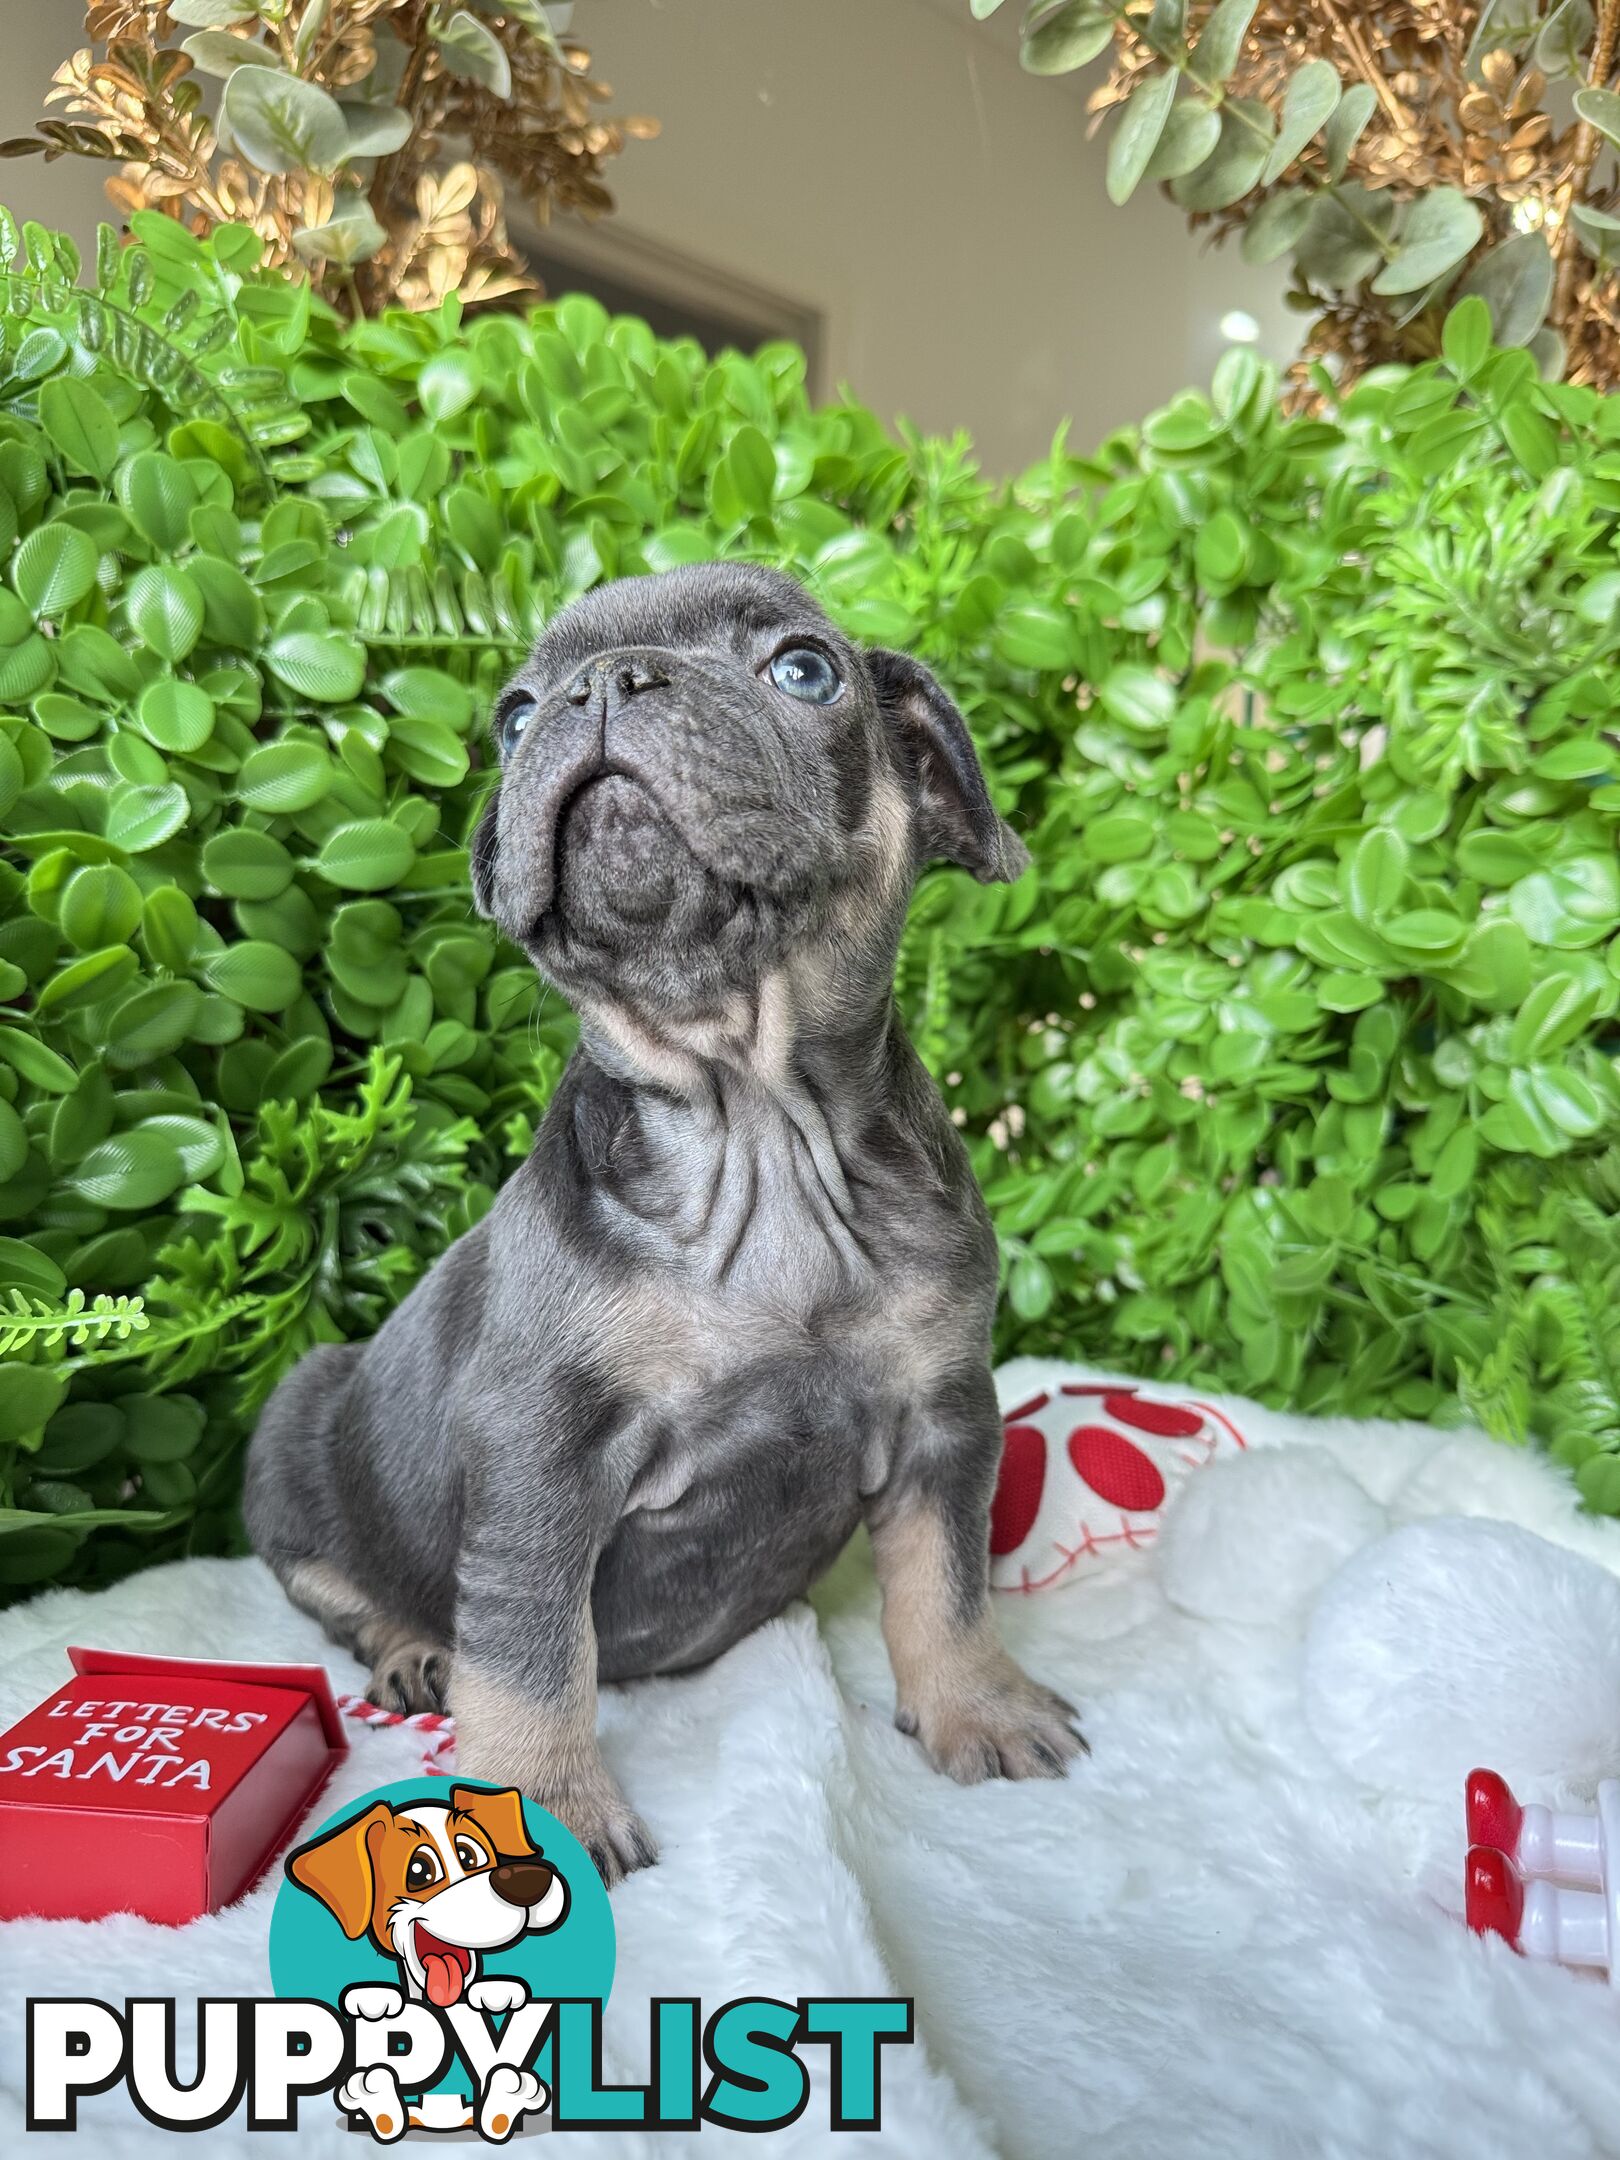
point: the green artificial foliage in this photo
(1289, 1067)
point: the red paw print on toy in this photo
(1085, 1470)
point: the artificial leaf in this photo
(1466, 343)
(376, 130)
(1515, 280)
(1564, 38)
(319, 664)
(255, 974)
(282, 123)
(1278, 225)
(1343, 131)
(346, 240)
(175, 715)
(212, 14)
(143, 817)
(1190, 134)
(1598, 231)
(217, 52)
(1065, 36)
(1235, 164)
(79, 422)
(1137, 133)
(471, 49)
(1309, 103)
(1600, 109)
(53, 568)
(165, 610)
(366, 855)
(1503, 26)
(1220, 42)
(1439, 229)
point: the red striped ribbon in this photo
(438, 1731)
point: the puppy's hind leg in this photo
(289, 1506)
(409, 1670)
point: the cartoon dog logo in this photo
(436, 1887)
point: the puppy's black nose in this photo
(613, 678)
(520, 1882)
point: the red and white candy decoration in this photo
(437, 1728)
(1085, 1471)
(1546, 1880)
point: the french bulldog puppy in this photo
(739, 1297)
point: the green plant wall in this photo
(1289, 1068)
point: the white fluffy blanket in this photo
(1230, 1931)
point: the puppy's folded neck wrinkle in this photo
(749, 1140)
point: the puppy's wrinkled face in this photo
(701, 776)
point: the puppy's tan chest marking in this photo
(861, 1367)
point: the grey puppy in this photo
(739, 1297)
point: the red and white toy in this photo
(1547, 1881)
(1086, 1468)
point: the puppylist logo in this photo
(441, 1956)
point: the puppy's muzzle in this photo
(611, 679)
(520, 1882)
(580, 749)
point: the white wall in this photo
(891, 162)
(886, 162)
(35, 36)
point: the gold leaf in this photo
(133, 96)
(125, 192)
(457, 187)
(1529, 94)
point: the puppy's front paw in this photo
(606, 1825)
(412, 1676)
(508, 1738)
(995, 1724)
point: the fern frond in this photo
(40, 1323)
(404, 609)
(168, 354)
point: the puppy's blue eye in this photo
(805, 672)
(513, 716)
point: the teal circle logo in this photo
(360, 1896)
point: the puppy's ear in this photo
(486, 842)
(500, 1814)
(955, 818)
(338, 1869)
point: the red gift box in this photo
(160, 1786)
